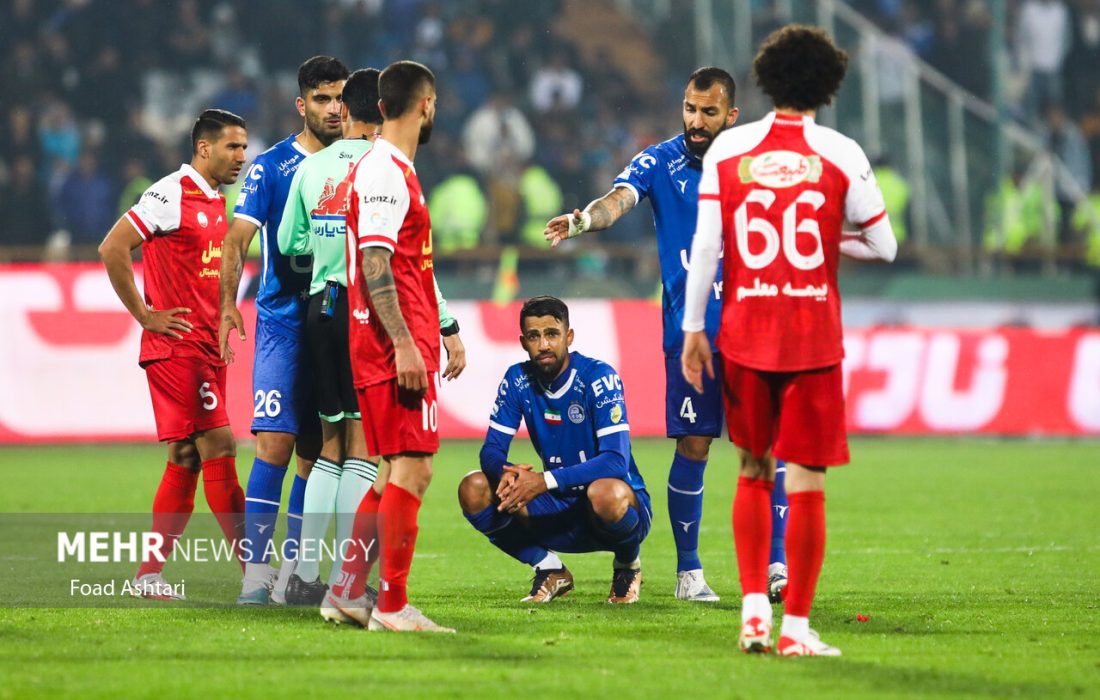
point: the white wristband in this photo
(551, 482)
(575, 229)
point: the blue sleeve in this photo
(254, 200)
(638, 176)
(607, 410)
(503, 425)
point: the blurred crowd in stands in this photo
(534, 116)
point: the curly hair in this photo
(799, 67)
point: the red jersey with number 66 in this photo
(786, 186)
(183, 223)
(386, 209)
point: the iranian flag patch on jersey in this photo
(551, 417)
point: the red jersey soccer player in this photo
(394, 337)
(776, 193)
(180, 223)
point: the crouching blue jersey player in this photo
(589, 496)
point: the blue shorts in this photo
(565, 523)
(688, 412)
(282, 397)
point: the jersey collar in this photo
(187, 170)
(394, 151)
(552, 393)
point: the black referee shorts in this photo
(330, 358)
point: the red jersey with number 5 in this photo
(786, 186)
(183, 222)
(386, 209)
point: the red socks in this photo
(172, 507)
(397, 516)
(805, 549)
(752, 532)
(225, 498)
(363, 549)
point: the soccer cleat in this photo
(756, 636)
(348, 611)
(154, 587)
(626, 585)
(777, 582)
(299, 592)
(810, 645)
(258, 591)
(549, 584)
(407, 619)
(690, 585)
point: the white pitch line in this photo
(970, 550)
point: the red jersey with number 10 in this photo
(785, 185)
(183, 222)
(386, 209)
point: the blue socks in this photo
(294, 509)
(779, 515)
(508, 536)
(685, 509)
(261, 509)
(621, 531)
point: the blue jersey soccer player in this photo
(668, 173)
(589, 496)
(283, 417)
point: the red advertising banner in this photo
(69, 373)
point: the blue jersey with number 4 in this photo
(283, 279)
(578, 424)
(668, 173)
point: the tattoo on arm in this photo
(383, 292)
(609, 208)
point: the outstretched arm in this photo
(412, 374)
(600, 214)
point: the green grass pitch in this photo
(977, 562)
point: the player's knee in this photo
(275, 448)
(694, 447)
(753, 467)
(216, 444)
(474, 494)
(185, 454)
(609, 498)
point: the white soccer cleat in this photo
(347, 611)
(257, 590)
(154, 587)
(407, 619)
(690, 585)
(756, 636)
(810, 645)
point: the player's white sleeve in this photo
(158, 210)
(876, 242)
(383, 203)
(706, 246)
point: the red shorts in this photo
(396, 421)
(798, 415)
(188, 396)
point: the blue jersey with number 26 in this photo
(668, 173)
(279, 301)
(578, 424)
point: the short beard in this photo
(700, 150)
(320, 132)
(425, 134)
